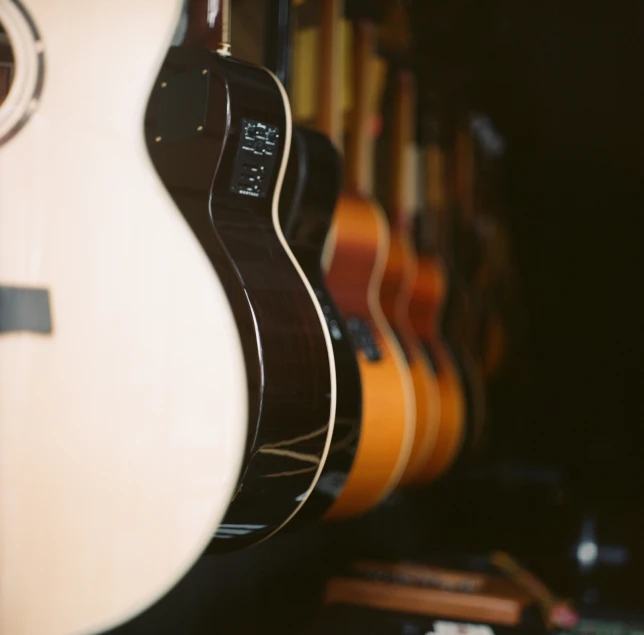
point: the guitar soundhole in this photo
(22, 68)
(6, 64)
(364, 338)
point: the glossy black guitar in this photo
(311, 187)
(218, 131)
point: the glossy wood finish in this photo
(359, 249)
(426, 312)
(311, 186)
(291, 375)
(388, 409)
(122, 430)
(429, 297)
(400, 276)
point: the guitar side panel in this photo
(454, 328)
(311, 189)
(240, 125)
(425, 312)
(387, 429)
(400, 273)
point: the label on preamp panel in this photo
(256, 158)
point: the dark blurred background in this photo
(561, 83)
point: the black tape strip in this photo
(24, 310)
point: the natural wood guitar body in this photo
(123, 400)
(401, 269)
(388, 414)
(399, 279)
(426, 308)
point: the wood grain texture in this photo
(311, 187)
(122, 431)
(287, 349)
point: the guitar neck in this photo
(278, 41)
(360, 148)
(403, 124)
(464, 171)
(209, 25)
(329, 120)
(435, 192)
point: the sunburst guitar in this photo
(401, 274)
(428, 304)
(358, 254)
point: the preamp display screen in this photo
(256, 158)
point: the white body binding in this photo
(316, 304)
(122, 432)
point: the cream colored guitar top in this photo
(122, 385)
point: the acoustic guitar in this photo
(428, 300)
(490, 275)
(358, 252)
(465, 251)
(122, 384)
(401, 273)
(312, 184)
(219, 133)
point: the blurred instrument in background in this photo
(495, 276)
(357, 255)
(312, 184)
(401, 270)
(416, 588)
(461, 249)
(429, 296)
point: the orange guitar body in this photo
(426, 310)
(354, 278)
(398, 281)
